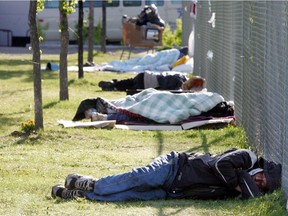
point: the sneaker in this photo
(60, 191)
(88, 113)
(76, 181)
(98, 116)
(107, 85)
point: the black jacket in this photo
(206, 176)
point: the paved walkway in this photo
(54, 48)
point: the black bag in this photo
(150, 14)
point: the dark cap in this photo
(272, 172)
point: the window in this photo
(156, 2)
(98, 3)
(51, 4)
(176, 2)
(134, 3)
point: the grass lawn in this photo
(30, 166)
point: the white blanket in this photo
(159, 61)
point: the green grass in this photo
(30, 166)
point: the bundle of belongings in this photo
(149, 14)
(153, 107)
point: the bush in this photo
(97, 32)
(171, 39)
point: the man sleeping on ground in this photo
(163, 81)
(153, 106)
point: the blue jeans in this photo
(119, 117)
(144, 183)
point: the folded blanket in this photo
(159, 106)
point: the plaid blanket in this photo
(166, 107)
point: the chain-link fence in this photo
(241, 48)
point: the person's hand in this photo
(238, 188)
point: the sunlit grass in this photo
(30, 166)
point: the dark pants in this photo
(131, 83)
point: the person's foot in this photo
(107, 85)
(88, 113)
(76, 181)
(94, 115)
(62, 192)
(98, 117)
(89, 64)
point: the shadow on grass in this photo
(181, 206)
(4, 74)
(10, 121)
(159, 136)
(12, 92)
(204, 147)
(31, 138)
(265, 205)
(11, 70)
(50, 105)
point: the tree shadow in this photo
(179, 206)
(205, 144)
(50, 105)
(11, 70)
(160, 139)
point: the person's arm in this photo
(247, 185)
(226, 165)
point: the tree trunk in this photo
(63, 53)
(38, 111)
(80, 39)
(103, 38)
(91, 32)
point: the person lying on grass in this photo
(146, 80)
(233, 173)
(155, 106)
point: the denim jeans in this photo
(144, 183)
(119, 117)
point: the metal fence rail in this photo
(241, 48)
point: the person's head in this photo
(195, 83)
(268, 177)
(260, 180)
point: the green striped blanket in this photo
(167, 107)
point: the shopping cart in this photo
(148, 36)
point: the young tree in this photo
(65, 7)
(103, 38)
(91, 32)
(80, 39)
(38, 111)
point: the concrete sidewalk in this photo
(50, 48)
